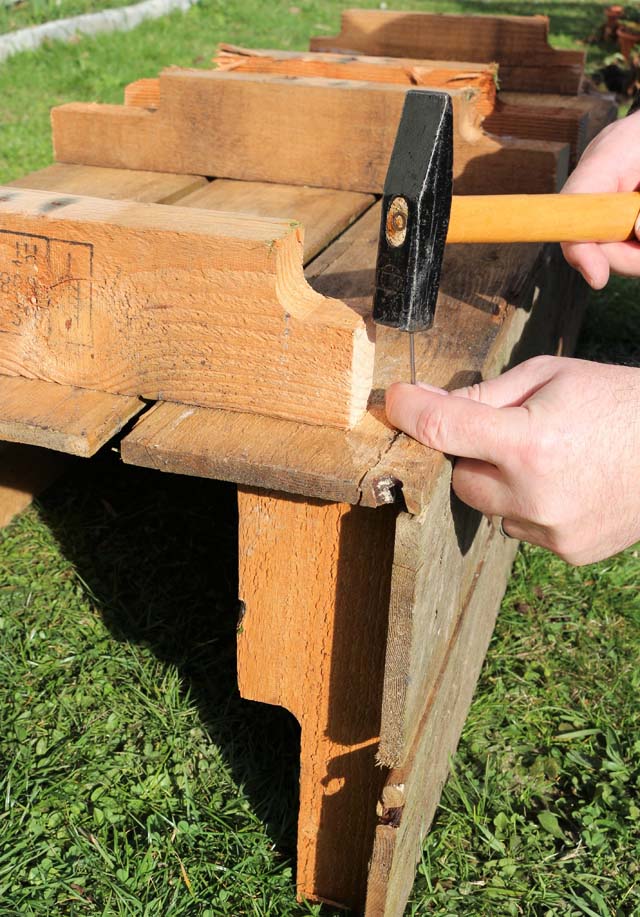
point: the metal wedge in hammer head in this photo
(415, 214)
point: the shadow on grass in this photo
(158, 553)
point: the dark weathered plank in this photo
(412, 791)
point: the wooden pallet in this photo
(360, 576)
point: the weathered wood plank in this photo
(25, 471)
(303, 131)
(351, 467)
(412, 792)
(60, 417)
(514, 116)
(324, 213)
(115, 184)
(177, 303)
(519, 44)
(314, 579)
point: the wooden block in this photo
(323, 213)
(314, 579)
(516, 117)
(72, 420)
(25, 471)
(519, 44)
(430, 74)
(302, 131)
(180, 304)
(114, 184)
(144, 93)
(416, 786)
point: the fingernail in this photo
(432, 388)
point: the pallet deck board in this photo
(60, 417)
(206, 116)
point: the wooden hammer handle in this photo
(544, 217)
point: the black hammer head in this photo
(415, 214)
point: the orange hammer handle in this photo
(545, 217)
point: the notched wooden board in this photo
(61, 417)
(180, 304)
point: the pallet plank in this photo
(177, 303)
(323, 213)
(25, 471)
(206, 117)
(413, 791)
(519, 44)
(314, 579)
(61, 417)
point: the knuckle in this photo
(431, 428)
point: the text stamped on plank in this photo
(46, 280)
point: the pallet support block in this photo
(314, 582)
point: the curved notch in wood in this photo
(176, 304)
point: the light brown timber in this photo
(519, 44)
(314, 580)
(401, 830)
(430, 74)
(72, 420)
(205, 117)
(514, 116)
(323, 213)
(183, 304)
(481, 288)
(25, 471)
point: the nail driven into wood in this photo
(412, 358)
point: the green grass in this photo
(134, 781)
(26, 13)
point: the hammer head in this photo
(415, 214)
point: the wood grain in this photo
(176, 303)
(416, 786)
(509, 114)
(206, 117)
(519, 44)
(323, 213)
(25, 471)
(430, 74)
(314, 579)
(71, 420)
(114, 184)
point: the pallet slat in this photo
(72, 420)
(179, 303)
(519, 44)
(206, 117)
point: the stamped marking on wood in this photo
(46, 279)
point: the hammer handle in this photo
(544, 217)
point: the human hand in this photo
(611, 162)
(552, 446)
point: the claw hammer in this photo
(420, 213)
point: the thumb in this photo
(457, 426)
(638, 227)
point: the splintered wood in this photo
(175, 303)
(204, 118)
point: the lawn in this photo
(133, 779)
